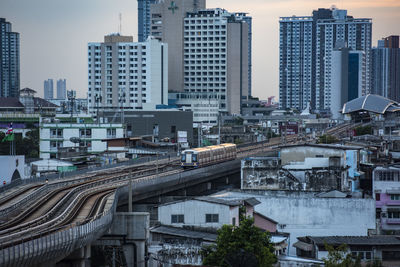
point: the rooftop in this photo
(372, 103)
(182, 232)
(383, 240)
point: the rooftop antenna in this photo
(120, 24)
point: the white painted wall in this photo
(195, 213)
(302, 214)
(8, 165)
(99, 132)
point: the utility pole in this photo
(130, 193)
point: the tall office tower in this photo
(216, 57)
(9, 60)
(48, 89)
(128, 75)
(306, 55)
(249, 21)
(385, 75)
(61, 89)
(144, 19)
(347, 77)
(167, 26)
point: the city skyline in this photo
(43, 36)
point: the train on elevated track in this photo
(203, 156)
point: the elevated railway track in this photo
(32, 215)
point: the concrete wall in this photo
(195, 213)
(301, 214)
(299, 153)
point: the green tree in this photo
(340, 257)
(327, 139)
(243, 245)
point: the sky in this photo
(54, 33)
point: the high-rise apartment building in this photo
(144, 19)
(9, 60)
(249, 21)
(127, 75)
(61, 89)
(385, 77)
(216, 57)
(306, 45)
(48, 91)
(166, 21)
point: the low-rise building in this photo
(55, 134)
(209, 212)
(386, 187)
(368, 248)
(304, 213)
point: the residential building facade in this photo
(386, 189)
(249, 20)
(55, 135)
(385, 77)
(127, 75)
(166, 21)
(306, 46)
(9, 60)
(48, 91)
(216, 57)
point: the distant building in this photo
(144, 19)
(306, 45)
(385, 75)
(249, 20)
(127, 75)
(55, 134)
(167, 26)
(346, 76)
(62, 89)
(48, 90)
(9, 61)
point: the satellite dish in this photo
(75, 140)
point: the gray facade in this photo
(385, 77)
(249, 21)
(9, 61)
(167, 26)
(161, 123)
(62, 89)
(144, 19)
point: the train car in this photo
(203, 156)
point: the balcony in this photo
(391, 221)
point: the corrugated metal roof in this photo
(356, 240)
(182, 232)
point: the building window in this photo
(211, 218)
(233, 221)
(85, 133)
(394, 214)
(177, 218)
(111, 133)
(378, 196)
(56, 133)
(394, 197)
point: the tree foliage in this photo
(327, 139)
(28, 146)
(340, 257)
(243, 245)
(363, 130)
